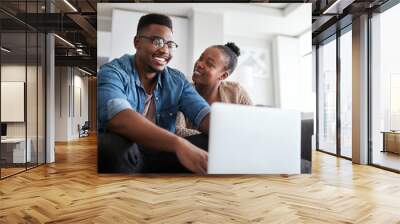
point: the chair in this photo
(84, 130)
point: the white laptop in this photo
(254, 140)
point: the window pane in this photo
(23, 88)
(13, 85)
(327, 97)
(386, 89)
(346, 94)
(41, 98)
(31, 97)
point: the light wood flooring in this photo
(10, 171)
(71, 191)
(387, 159)
(5, 172)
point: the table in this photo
(13, 150)
(391, 141)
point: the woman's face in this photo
(209, 69)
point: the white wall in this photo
(206, 29)
(17, 73)
(67, 117)
(286, 67)
(254, 70)
(33, 126)
(14, 73)
(294, 88)
(61, 103)
(103, 44)
(12, 101)
(80, 84)
(50, 95)
(259, 23)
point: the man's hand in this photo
(149, 135)
(192, 157)
(205, 124)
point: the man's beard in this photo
(150, 69)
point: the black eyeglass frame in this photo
(163, 42)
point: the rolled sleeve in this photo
(112, 97)
(200, 116)
(193, 106)
(114, 106)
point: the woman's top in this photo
(229, 92)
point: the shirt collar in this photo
(136, 74)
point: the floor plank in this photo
(71, 191)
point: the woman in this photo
(215, 64)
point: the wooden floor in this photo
(10, 171)
(5, 172)
(70, 191)
(387, 159)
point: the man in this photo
(138, 98)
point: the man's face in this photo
(152, 58)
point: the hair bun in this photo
(233, 47)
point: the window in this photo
(346, 94)
(327, 97)
(385, 89)
(22, 68)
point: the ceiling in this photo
(330, 16)
(74, 21)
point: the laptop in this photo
(254, 140)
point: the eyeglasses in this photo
(159, 42)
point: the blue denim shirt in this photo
(119, 88)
